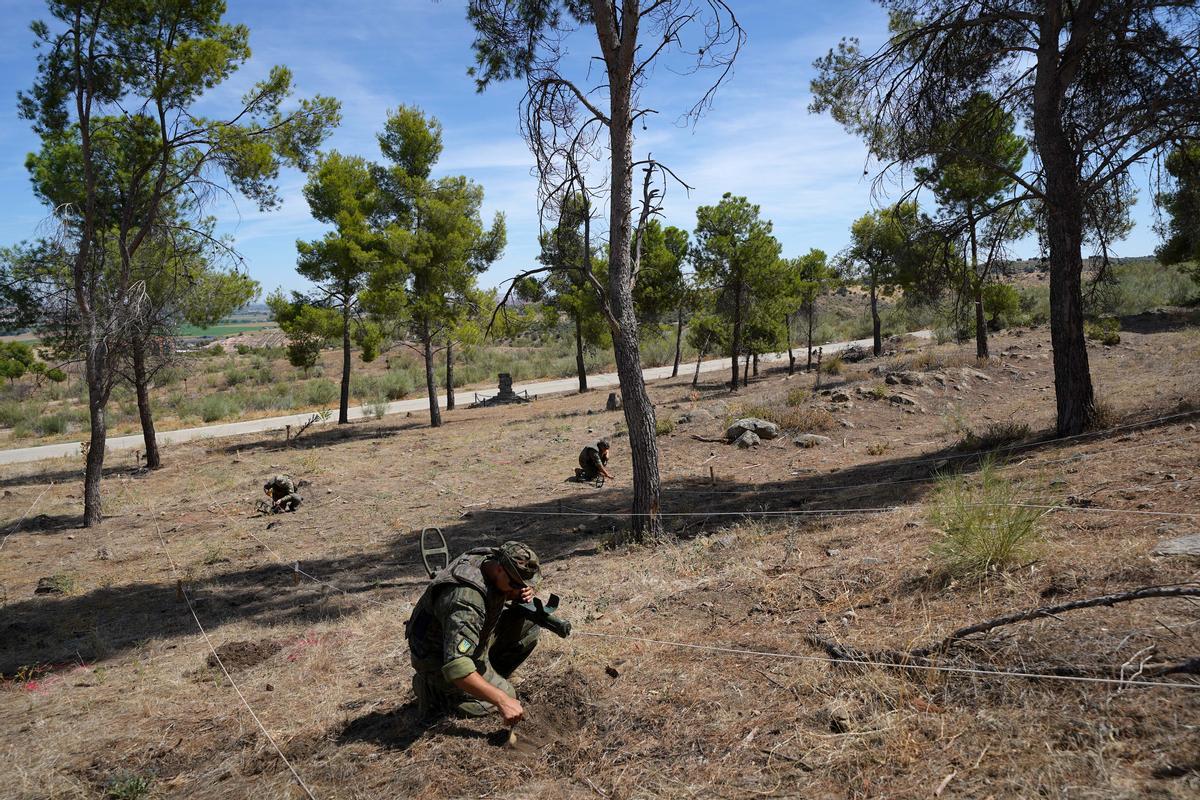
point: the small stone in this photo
(807, 440)
(839, 397)
(845, 423)
(1183, 546)
(902, 399)
(104, 554)
(1189, 427)
(747, 440)
(832, 551)
(871, 561)
(271, 688)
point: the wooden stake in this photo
(818, 378)
(712, 476)
(288, 435)
(179, 590)
(296, 574)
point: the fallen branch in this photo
(1049, 611)
(700, 438)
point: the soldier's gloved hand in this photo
(511, 710)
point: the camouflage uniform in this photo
(591, 458)
(461, 625)
(283, 493)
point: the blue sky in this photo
(758, 139)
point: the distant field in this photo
(226, 329)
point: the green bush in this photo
(1002, 305)
(993, 435)
(797, 397)
(1105, 330)
(833, 365)
(52, 425)
(217, 407)
(1034, 304)
(127, 786)
(790, 418)
(15, 412)
(319, 392)
(663, 426)
(982, 530)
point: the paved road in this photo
(558, 386)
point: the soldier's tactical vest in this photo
(466, 570)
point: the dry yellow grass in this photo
(118, 680)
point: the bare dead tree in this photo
(568, 109)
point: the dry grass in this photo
(793, 419)
(608, 717)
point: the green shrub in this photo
(127, 786)
(217, 407)
(14, 413)
(663, 426)
(319, 392)
(1034, 305)
(51, 425)
(798, 396)
(1105, 330)
(993, 435)
(832, 365)
(377, 409)
(790, 418)
(981, 528)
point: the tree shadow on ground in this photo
(69, 475)
(45, 524)
(329, 434)
(1161, 320)
(108, 621)
(402, 727)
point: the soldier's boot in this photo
(516, 637)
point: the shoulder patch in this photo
(465, 646)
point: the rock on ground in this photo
(1183, 546)
(747, 439)
(807, 440)
(760, 427)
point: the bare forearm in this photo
(477, 687)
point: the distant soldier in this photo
(592, 461)
(282, 491)
(464, 639)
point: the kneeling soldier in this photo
(463, 638)
(282, 491)
(592, 461)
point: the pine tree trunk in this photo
(435, 414)
(754, 361)
(141, 383)
(981, 337)
(877, 346)
(95, 370)
(639, 412)
(736, 340)
(787, 326)
(678, 343)
(449, 374)
(699, 358)
(1064, 235)
(981, 331)
(580, 367)
(746, 371)
(344, 402)
(811, 314)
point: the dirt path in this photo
(557, 386)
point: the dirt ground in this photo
(110, 690)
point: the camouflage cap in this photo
(521, 563)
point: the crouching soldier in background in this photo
(592, 462)
(282, 493)
(464, 640)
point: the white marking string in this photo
(883, 665)
(294, 566)
(828, 511)
(229, 677)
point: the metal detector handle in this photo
(438, 548)
(542, 615)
